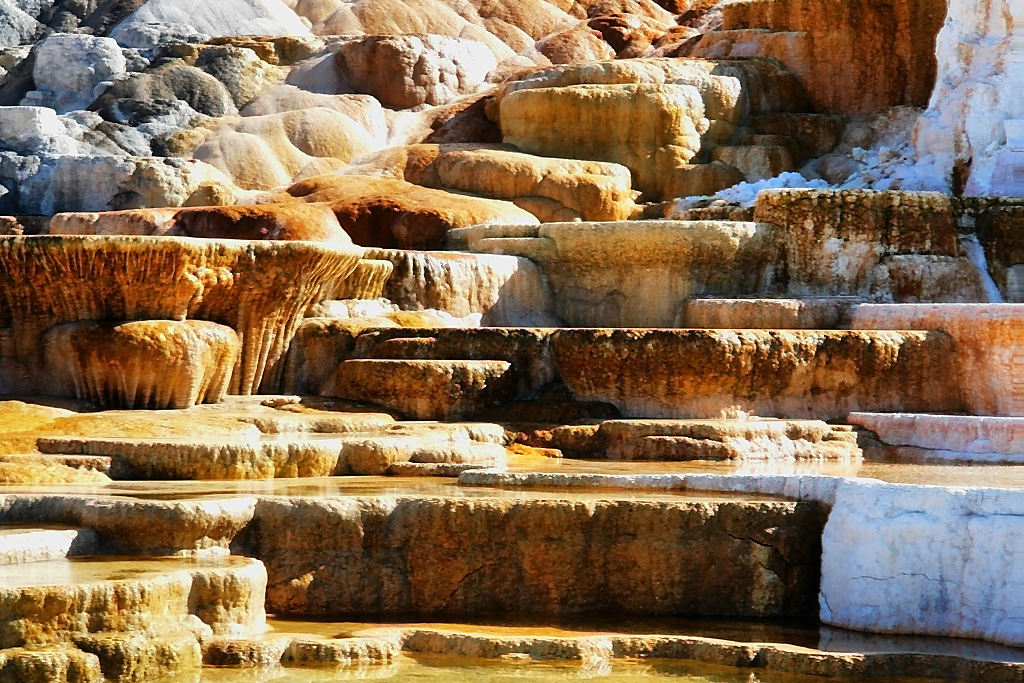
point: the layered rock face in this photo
(154, 364)
(853, 58)
(697, 373)
(303, 222)
(389, 213)
(457, 557)
(989, 342)
(260, 289)
(673, 109)
(880, 575)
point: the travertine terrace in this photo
(469, 339)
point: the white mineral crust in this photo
(925, 560)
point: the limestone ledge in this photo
(375, 652)
(897, 558)
(952, 437)
(261, 289)
(455, 556)
(925, 560)
(989, 347)
(725, 373)
(58, 601)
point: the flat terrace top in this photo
(369, 486)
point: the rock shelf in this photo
(138, 278)
(533, 339)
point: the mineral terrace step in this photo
(821, 375)
(424, 389)
(20, 544)
(162, 596)
(817, 313)
(954, 437)
(371, 452)
(451, 556)
(683, 440)
(989, 340)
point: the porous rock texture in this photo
(411, 70)
(423, 389)
(166, 598)
(976, 97)
(652, 116)
(902, 245)
(989, 347)
(723, 373)
(598, 281)
(308, 222)
(552, 189)
(852, 57)
(260, 289)
(152, 364)
(456, 556)
(391, 213)
(922, 559)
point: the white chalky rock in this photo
(34, 130)
(221, 18)
(925, 560)
(72, 70)
(958, 437)
(95, 183)
(16, 27)
(146, 36)
(981, 62)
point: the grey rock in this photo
(146, 36)
(174, 80)
(72, 69)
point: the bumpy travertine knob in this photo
(150, 364)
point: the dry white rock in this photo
(72, 70)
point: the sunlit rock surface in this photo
(600, 281)
(412, 70)
(310, 222)
(976, 101)
(989, 347)
(890, 246)
(453, 556)
(672, 109)
(64, 599)
(389, 213)
(260, 289)
(423, 389)
(720, 373)
(853, 58)
(152, 364)
(928, 560)
(954, 437)
(817, 313)
(503, 290)
(552, 189)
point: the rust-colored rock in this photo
(853, 57)
(259, 288)
(423, 389)
(311, 222)
(455, 556)
(902, 245)
(796, 374)
(388, 213)
(153, 364)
